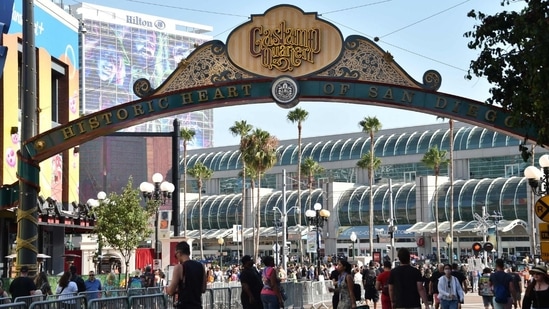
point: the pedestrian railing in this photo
(5, 300)
(20, 305)
(118, 302)
(28, 299)
(71, 302)
(149, 301)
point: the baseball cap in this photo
(245, 259)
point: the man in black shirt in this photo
(251, 283)
(406, 284)
(188, 280)
(22, 285)
(433, 285)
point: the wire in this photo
(354, 7)
(424, 19)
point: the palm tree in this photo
(311, 168)
(451, 174)
(435, 159)
(186, 134)
(298, 115)
(371, 125)
(201, 172)
(259, 152)
(242, 128)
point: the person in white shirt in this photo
(450, 291)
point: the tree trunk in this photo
(200, 219)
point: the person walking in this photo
(22, 285)
(536, 295)
(271, 295)
(502, 285)
(92, 285)
(251, 283)
(188, 280)
(406, 284)
(41, 282)
(345, 286)
(66, 288)
(484, 288)
(382, 284)
(450, 290)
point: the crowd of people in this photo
(408, 285)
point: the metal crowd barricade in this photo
(73, 302)
(154, 290)
(20, 305)
(208, 300)
(236, 291)
(319, 294)
(57, 296)
(151, 301)
(91, 295)
(294, 292)
(114, 293)
(221, 297)
(28, 299)
(137, 291)
(118, 302)
(5, 300)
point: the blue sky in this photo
(420, 34)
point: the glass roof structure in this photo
(506, 196)
(353, 146)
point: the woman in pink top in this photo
(270, 294)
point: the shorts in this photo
(372, 294)
(487, 300)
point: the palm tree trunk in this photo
(243, 204)
(435, 196)
(299, 166)
(200, 219)
(184, 190)
(451, 172)
(258, 219)
(371, 174)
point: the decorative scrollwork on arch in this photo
(432, 80)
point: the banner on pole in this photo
(164, 223)
(237, 232)
(311, 241)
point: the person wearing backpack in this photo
(77, 279)
(484, 288)
(369, 283)
(502, 285)
(148, 278)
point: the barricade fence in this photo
(217, 296)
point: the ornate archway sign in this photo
(286, 56)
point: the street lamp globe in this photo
(221, 241)
(448, 239)
(544, 160)
(317, 206)
(353, 237)
(101, 195)
(157, 178)
(310, 213)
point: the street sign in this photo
(542, 208)
(544, 250)
(275, 248)
(544, 231)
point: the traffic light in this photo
(477, 247)
(488, 247)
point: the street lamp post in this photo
(221, 241)
(353, 238)
(539, 182)
(101, 200)
(317, 217)
(449, 244)
(158, 192)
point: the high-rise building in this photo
(119, 47)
